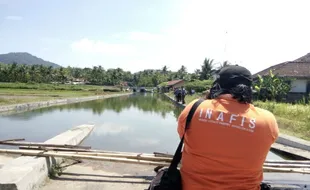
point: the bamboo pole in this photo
(139, 156)
(162, 154)
(287, 165)
(165, 159)
(55, 149)
(13, 143)
(82, 150)
(131, 161)
(286, 170)
(12, 140)
(288, 161)
(142, 156)
(150, 157)
(75, 156)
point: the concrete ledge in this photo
(293, 142)
(291, 151)
(36, 105)
(174, 101)
(29, 173)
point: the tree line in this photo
(268, 87)
(97, 75)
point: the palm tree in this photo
(164, 70)
(207, 69)
(182, 72)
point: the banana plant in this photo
(271, 87)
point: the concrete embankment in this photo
(30, 173)
(292, 145)
(35, 105)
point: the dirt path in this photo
(90, 175)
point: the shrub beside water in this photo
(198, 85)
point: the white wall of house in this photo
(299, 85)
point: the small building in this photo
(175, 84)
(170, 85)
(299, 71)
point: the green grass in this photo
(42, 86)
(14, 100)
(15, 93)
(292, 119)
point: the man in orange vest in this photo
(228, 138)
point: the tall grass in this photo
(292, 119)
(70, 87)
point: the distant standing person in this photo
(176, 94)
(183, 94)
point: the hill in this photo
(305, 58)
(24, 58)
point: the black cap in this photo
(233, 75)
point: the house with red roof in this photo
(298, 70)
(170, 85)
(175, 83)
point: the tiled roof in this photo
(173, 82)
(295, 69)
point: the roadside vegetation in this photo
(16, 93)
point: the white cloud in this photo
(90, 46)
(144, 142)
(17, 18)
(110, 129)
(259, 34)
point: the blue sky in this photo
(144, 34)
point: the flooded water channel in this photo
(135, 123)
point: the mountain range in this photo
(25, 58)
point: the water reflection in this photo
(142, 123)
(154, 103)
(137, 123)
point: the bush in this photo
(272, 87)
(198, 85)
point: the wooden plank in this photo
(12, 140)
(13, 143)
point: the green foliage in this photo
(198, 85)
(272, 87)
(206, 69)
(41, 77)
(58, 87)
(292, 119)
(163, 84)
